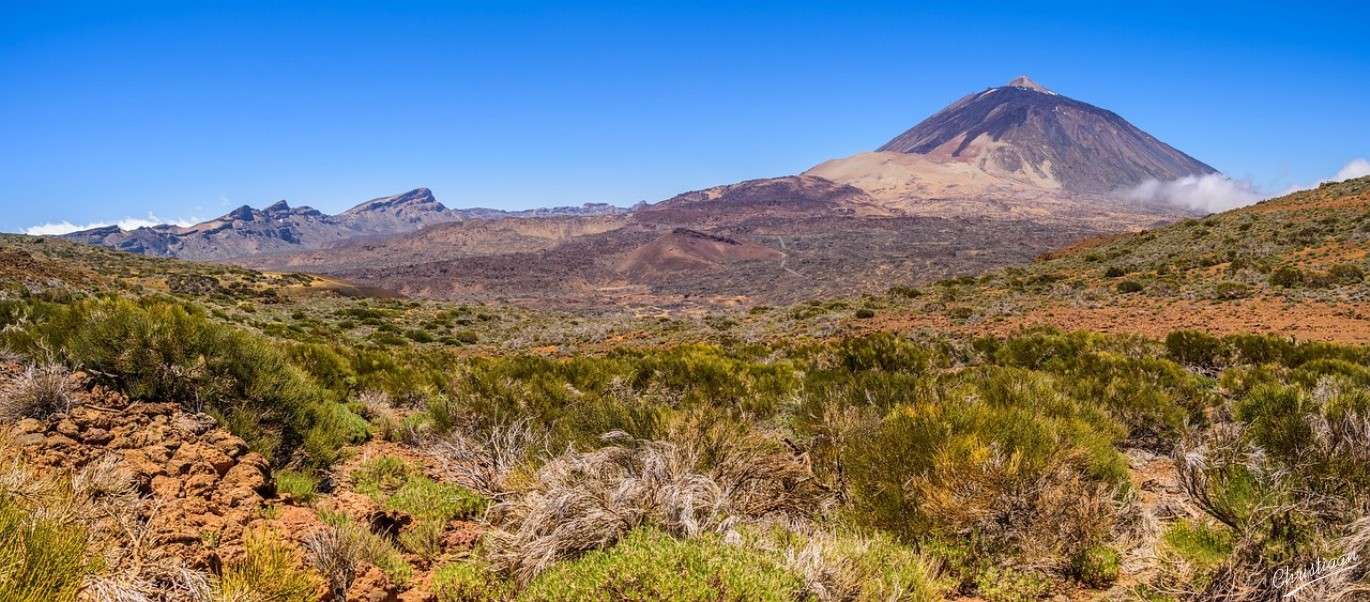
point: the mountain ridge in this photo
(279, 228)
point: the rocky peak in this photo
(1026, 83)
(244, 213)
(418, 198)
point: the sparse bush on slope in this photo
(651, 565)
(167, 352)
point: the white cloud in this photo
(127, 223)
(1355, 169)
(1209, 193)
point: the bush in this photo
(269, 570)
(428, 500)
(1287, 277)
(164, 351)
(719, 474)
(650, 565)
(1347, 273)
(423, 539)
(1194, 348)
(1097, 566)
(301, 486)
(398, 486)
(884, 352)
(470, 581)
(1203, 545)
(1114, 271)
(1129, 286)
(1009, 585)
(865, 313)
(41, 559)
(37, 393)
(381, 476)
(339, 550)
(858, 567)
(907, 292)
(999, 453)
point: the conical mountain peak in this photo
(1024, 131)
(1023, 81)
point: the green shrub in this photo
(1130, 286)
(170, 352)
(884, 352)
(41, 559)
(863, 567)
(1008, 585)
(1262, 348)
(1194, 348)
(907, 292)
(865, 313)
(1230, 291)
(426, 499)
(381, 476)
(269, 570)
(398, 486)
(1287, 277)
(299, 485)
(1347, 273)
(1114, 271)
(1277, 419)
(423, 539)
(649, 565)
(960, 313)
(470, 581)
(965, 460)
(1199, 543)
(1097, 566)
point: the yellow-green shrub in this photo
(41, 560)
(649, 565)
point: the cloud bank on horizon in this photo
(1355, 169)
(1212, 193)
(1209, 193)
(127, 223)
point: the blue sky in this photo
(184, 110)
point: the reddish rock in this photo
(166, 487)
(96, 436)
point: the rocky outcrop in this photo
(204, 486)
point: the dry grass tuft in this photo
(587, 501)
(336, 552)
(483, 459)
(837, 567)
(39, 392)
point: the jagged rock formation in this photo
(280, 228)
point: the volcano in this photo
(1027, 132)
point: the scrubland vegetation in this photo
(874, 467)
(773, 454)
